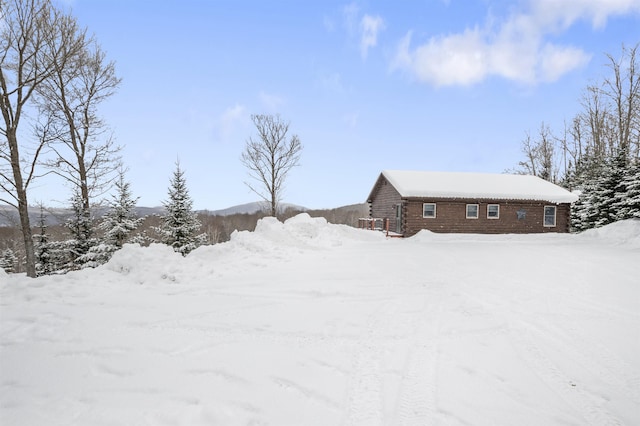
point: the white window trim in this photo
(544, 217)
(493, 217)
(477, 216)
(434, 210)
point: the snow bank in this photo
(624, 232)
(145, 264)
(271, 241)
(299, 232)
(318, 232)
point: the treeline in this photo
(85, 241)
(596, 154)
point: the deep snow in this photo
(307, 323)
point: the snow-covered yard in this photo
(306, 323)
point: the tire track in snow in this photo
(548, 372)
(417, 399)
(596, 358)
(310, 394)
(364, 396)
(521, 335)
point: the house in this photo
(409, 201)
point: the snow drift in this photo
(308, 323)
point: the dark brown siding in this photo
(384, 201)
(451, 217)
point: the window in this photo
(429, 210)
(472, 211)
(550, 216)
(493, 211)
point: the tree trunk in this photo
(23, 204)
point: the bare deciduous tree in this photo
(540, 154)
(608, 126)
(84, 152)
(270, 158)
(623, 91)
(32, 40)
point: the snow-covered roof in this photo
(476, 185)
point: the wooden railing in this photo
(374, 224)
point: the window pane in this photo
(429, 210)
(493, 210)
(472, 210)
(549, 216)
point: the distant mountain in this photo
(57, 216)
(251, 208)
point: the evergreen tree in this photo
(118, 223)
(585, 178)
(8, 261)
(81, 227)
(609, 190)
(121, 219)
(42, 249)
(98, 254)
(181, 223)
(630, 204)
(584, 212)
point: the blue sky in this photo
(421, 85)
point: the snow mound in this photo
(145, 264)
(316, 231)
(624, 232)
(271, 240)
(299, 232)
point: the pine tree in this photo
(181, 223)
(609, 190)
(630, 205)
(585, 179)
(121, 219)
(118, 223)
(8, 261)
(584, 212)
(81, 227)
(42, 248)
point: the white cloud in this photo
(370, 26)
(350, 15)
(514, 48)
(362, 29)
(230, 120)
(458, 59)
(565, 13)
(556, 61)
(270, 101)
